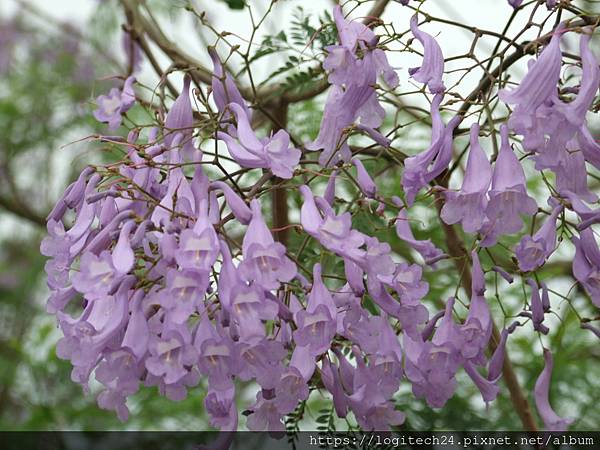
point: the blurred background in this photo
(55, 59)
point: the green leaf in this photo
(235, 4)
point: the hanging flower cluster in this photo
(149, 288)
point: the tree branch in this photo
(22, 211)
(280, 209)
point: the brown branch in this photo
(280, 209)
(376, 12)
(22, 211)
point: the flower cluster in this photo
(150, 288)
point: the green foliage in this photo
(235, 4)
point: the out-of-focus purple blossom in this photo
(590, 327)
(9, 35)
(116, 103)
(132, 50)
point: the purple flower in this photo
(291, 389)
(496, 362)
(586, 264)
(249, 307)
(264, 261)
(123, 257)
(533, 251)
(353, 35)
(329, 194)
(468, 205)
(365, 182)
(537, 307)
(431, 370)
(352, 97)
(218, 360)
(221, 408)
(423, 168)
(184, 293)
(174, 391)
(117, 102)
(334, 232)
(198, 247)
(552, 421)
(180, 121)
(351, 32)
(426, 249)
(316, 324)
(379, 417)
(265, 415)
(303, 361)
(132, 50)
(272, 153)
(571, 173)
(538, 86)
(407, 282)
(171, 354)
(586, 214)
(97, 275)
(508, 196)
(263, 362)
(114, 400)
(224, 88)
(342, 109)
(88, 335)
(432, 68)
(477, 329)
(489, 390)
(238, 207)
